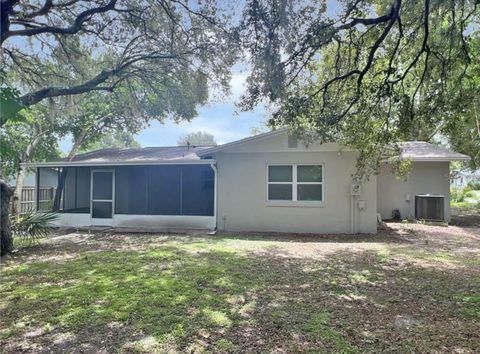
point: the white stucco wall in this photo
(144, 222)
(242, 190)
(424, 178)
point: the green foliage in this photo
(163, 54)
(456, 194)
(116, 139)
(197, 139)
(472, 185)
(34, 137)
(466, 198)
(413, 75)
(33, 226)
(9, 107)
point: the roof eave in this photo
(437, 159)
(123, 163)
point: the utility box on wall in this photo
(429, 207)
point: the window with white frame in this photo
(295, 183)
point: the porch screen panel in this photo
(69, 190)
(46, 188)
(82, 203)
(102, 210)
(102, 186)
(131, 190)
(64, 189)
(164, 190)
(197, 190)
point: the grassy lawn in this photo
(411, 288)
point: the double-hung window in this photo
(295, 182)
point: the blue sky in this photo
(219, 117)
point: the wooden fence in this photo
(28, 203)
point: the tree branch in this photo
(41, 11)
(74, 28)
(92, 84)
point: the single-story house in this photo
(463, 178)
(269, 182)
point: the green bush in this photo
(473, 185)
(456, 194)
(33, 225)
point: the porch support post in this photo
(214, 168)
(37, 189)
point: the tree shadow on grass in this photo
(176, 297)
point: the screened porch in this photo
(172, 195)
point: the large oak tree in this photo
(110, 64)
(368, 73)
(50, 45)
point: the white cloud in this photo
(238, 85)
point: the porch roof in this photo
(133, 156)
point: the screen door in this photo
(102, 197)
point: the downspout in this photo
(215, 188)
(352, 211)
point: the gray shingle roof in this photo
(413, 150)
(423, 151)
(165, 153)
(147, 154)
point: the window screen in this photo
(280, 173)
(309, 173)
(295, 182)
(131, 190)
(280, 192)
(164, 190)
(309, 192)
(280, 182)
(310, 182)
(197, 190)
(102, 185)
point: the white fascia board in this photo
(437, 159)
(125, 163)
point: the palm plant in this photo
(33, 225)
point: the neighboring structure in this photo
(269, 182)
(28, 196)
(463, 178)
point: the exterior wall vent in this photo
(429, 207)
(292, 142)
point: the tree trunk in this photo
(17, 194)
(63, 174)
(6, 240)
(77, 144)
